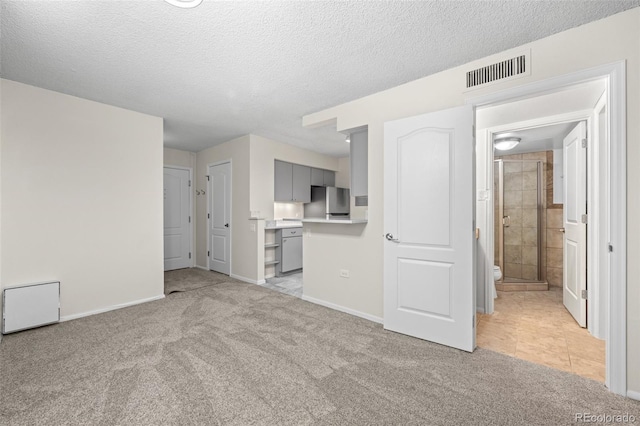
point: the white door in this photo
(220, 218)
(177, 228)
(574, 215)
(429, 172)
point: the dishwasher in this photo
(291, 247)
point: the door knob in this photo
(390, 238)
(226, 225)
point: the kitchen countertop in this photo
(281, 224)
(343, 221)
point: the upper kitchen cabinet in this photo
(317, 177)
(301, 183)
(320, 177)
(329, 178)
(359, 163)
(292, 182)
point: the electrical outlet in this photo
(344, 273)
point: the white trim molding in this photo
(615, 76)
(342, 309)
(633, 394)
(247, 280)
(110, 308)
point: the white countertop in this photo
(344, 221)
(281, 224)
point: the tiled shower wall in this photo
(521, 237)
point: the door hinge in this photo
(189, 219)
(189, 182)
(208, 253)
(610, 248)
(584, 218)
(584, 294)
(584, 143)
(189, 255)
(208, 216)
(207, 177)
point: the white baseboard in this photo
(342, 309)
(201, 267)
(247, 280)
(110, 308)
(633, 395)
(479, 310)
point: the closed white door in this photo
(429, 172)
(574, 215)
(219, 218)
(177, 228)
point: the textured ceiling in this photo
(225, 69)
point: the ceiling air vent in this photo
(514, 67)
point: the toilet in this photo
(497, 273)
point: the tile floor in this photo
(535, 326)
(289, 284)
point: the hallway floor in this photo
(535, 326)
(288, 284)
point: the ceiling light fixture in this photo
(185, 4)
(505, 144)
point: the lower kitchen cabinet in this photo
(289, 251)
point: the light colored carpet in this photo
(239, 354)
(191, 279)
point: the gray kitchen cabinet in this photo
(289, 250)
(283, 184)
(359, 163)
(329, 178)
(301, 184)
(292, 182)
(317, 177)
(321, 177)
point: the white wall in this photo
(176, 157)
(81, 199)
(179, 158)
(609, 40)
(243, 252)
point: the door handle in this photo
(390, 238)
(226, 225)
(506, 221)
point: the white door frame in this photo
(217, 163)
(192, 249)
(615, 77)
(488, 135)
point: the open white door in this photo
(177, 219)
(429, 173)
(575, 217)
(220, 218)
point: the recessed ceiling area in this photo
(226, 69)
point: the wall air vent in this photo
(515, 67)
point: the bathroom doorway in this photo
(529, 319)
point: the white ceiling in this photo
(225, 69)
(539, 138)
